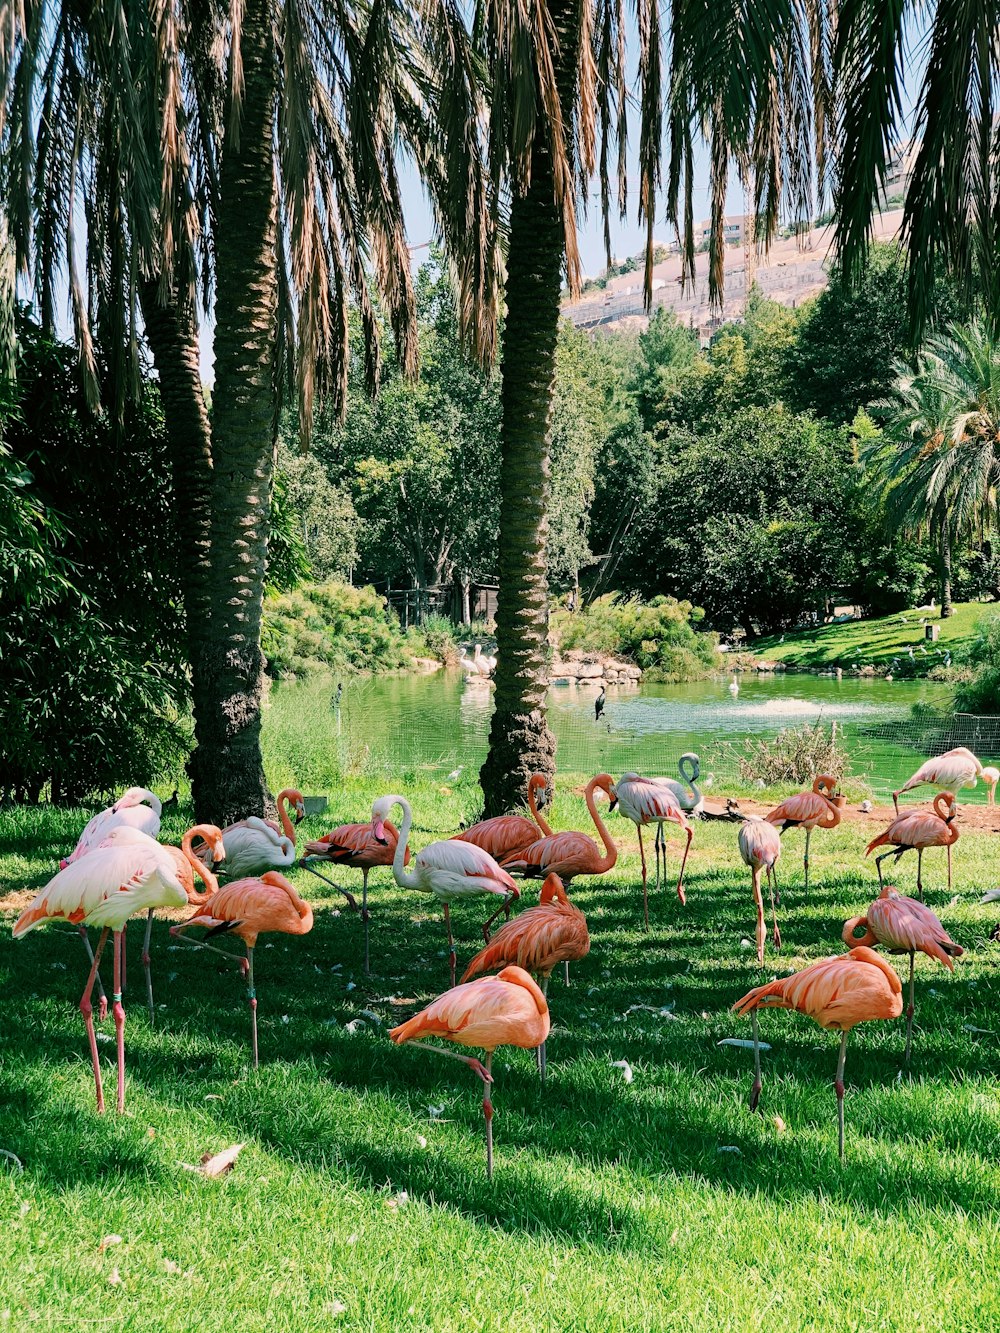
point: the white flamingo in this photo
(137, 808)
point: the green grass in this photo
(614, 1206)
(879, 641)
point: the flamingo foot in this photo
(755, 1095)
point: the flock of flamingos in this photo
(118, 869)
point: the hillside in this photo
(877, 642)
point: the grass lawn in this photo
(656, 1204)
(877, 642)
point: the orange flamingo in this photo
(538, 940)
(570, 854)
(254, 845)
(916, 831)
(647, 801)
(127, 873)
(838, 993)
(903, 925)
(449, 870)
(356, 846)
(760, 847)
(506, 1010)
(187, 866)
(248, 908)
(950, 771)
(819, 808)
(505, 835)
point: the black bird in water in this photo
(599, 703)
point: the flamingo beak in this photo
(612, 799)
(300, 812)
(218, 852)
(378, 830)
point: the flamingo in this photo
(991, 776)
(647, 801)
(506, 834)
(916, 831)
(760, 847)
(538, 940)
(569, 854)
(136, 808)
(839, 992)
(950, 771)
(129, 873)
(248, 908)
(734, 687)
(254, 845)
(819, 808)
(356, 846)
(686, 792)
(448, 869)
(903, 925)
(506, 1010)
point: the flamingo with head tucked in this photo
(950, 771)
(991, 776)
(136, 808)
(649, 801)
(916, 831)
(254, 845)
(450, 870)
(903, 925)
(819, 808)
(504, 835)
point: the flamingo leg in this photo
(566, 972)
(103, 1006)
(352, 902)
(772, 880)
(909, 1017)
(543, 986)
(252, 997)
(949, 867)
(451, 943)
(645, 884)
(755, 1090)
(878, 867)
(488, 1116)
(119, 1013)
(146, 968)
(805, 859)
(680, 878)
(87, 1009)
(658, 844)
(759, 904)
(505, 908)
(838, 1087)
(920, 885)
(212, 948)
(364, 914)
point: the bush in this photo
(331, 627)
(437, 637)
(796, 754)
(981, 694)
(657, 635)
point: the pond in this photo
(438, 723)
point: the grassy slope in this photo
(612, 1206)
(879, 641)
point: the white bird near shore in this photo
(734, 687)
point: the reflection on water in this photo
(439, 722)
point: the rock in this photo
(633, 672)
(589, 671)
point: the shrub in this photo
(437, 637)
(796, 754)
(331, 627)
(657, 635)
(981, 694)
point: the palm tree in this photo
(937, 463)
(165, 120)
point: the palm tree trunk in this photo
(520, 740)
(172, 334)
(946, 607)
(226, 769)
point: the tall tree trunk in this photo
(520, 740)
(946, 607)
(226, 769)
(172, 334)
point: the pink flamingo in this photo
(356, 846)
(506, 835)
(819, 808)
(570, 853)
(760, 847)
(254, 845)
(448, 869)
(647, 801)
(950, 771)
(916, 831)
(129, 873)
(136, 808)
(903, 925)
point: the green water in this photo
(440, 723)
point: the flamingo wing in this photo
(507, 1010)
(564, 854)
(502, 836)
(536, 941)
(646, 801)
(461, 868)
(837, 992)
(905, 924)
(91, 888)
(919, 828)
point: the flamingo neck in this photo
(851, 940)
(405, 879)
(611, 857)
(689, 775)
(287, 827)
(536, 814)
(199, 868)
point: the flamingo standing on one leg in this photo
(248, 908)
(916, 831)
(538, 940)
(950, 771)
(254, 845)
(505, 835)
(819, 808)
(448, 869)
(903, 925)
(506, 1010)
(647, 801)
(356, 846)
(838, 993)
(760, 847)
(129, 873)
